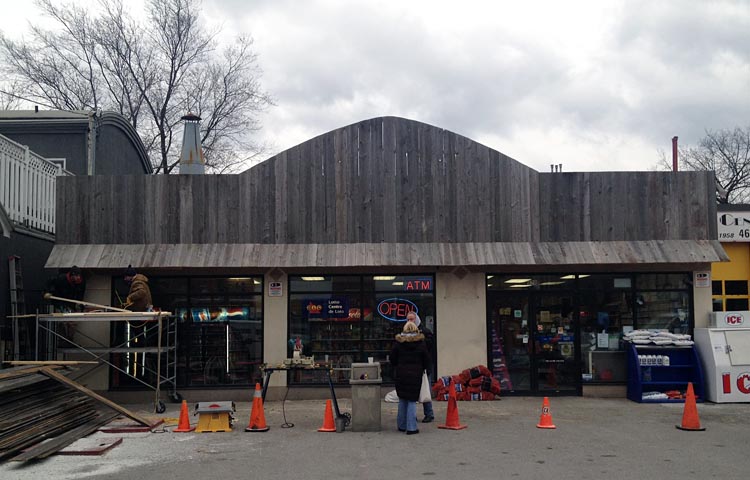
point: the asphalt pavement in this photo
(594, 439)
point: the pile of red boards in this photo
(472, 384)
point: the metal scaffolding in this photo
(53, 341)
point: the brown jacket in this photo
(139, 296)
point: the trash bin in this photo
(365, 383)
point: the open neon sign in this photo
(396, 309)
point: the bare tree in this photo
(727, 154)
(152, 73)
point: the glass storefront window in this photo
(534, 321)
(663, 311)
(663, 281)
(342, 326)
(220, 329)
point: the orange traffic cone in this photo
(257, 417)
(451, 418)
(690, 420)
(328, 424)
(184, 423)
(545, 421)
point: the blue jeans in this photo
(428, 412)
(407, 415)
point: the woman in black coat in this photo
(409, 358)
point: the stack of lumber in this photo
(41, 414)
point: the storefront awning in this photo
(386, 254)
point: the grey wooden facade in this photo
(389, 181)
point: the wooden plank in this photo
(19, 372)
(377, 181)
(63, 379)
(91, 447)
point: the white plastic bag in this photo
(424, 392)
(391, 397)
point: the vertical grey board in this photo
(189, 197)
(174, 205)
(568, 205)
(211, 209)
(586, 208)
(253, 207)
(546, 208)
(291, 185)
(301, 187)
(424, 187)
(309, 181)
(451, 188)
(445, 189)
(506, 203)
(640, 212)
(692, 196)
(65, 220)
(302, 193)
(389, 180)
(435, 165)
(350, 161)
(246, 207)
(329, 171)
(267, 195)
(281, 196)
(710, 219)
(376, 179)
(122, 205)
(598, 223)
(197, 204)
(315, 209)
(101, 208)
(230, 194)
(149, 218)
(365, 188)
(532, 224)
(493, 197)
(405, 207)
(519, 188)
(165, 211)
(483, 223)
(340, 176)
(462, 178)
(136, 191)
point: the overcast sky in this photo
(594, 85)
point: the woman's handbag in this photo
(424, 392)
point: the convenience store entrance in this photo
(533, 347)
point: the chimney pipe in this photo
(674, 153)
(191, 158)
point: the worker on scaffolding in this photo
(139, 296)
(72, 286)
(67, 284)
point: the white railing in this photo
(27, 186)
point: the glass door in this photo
(510, 359)
(532, 342)
(555, 368)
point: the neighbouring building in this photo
(37, 147)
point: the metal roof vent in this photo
(191, 158)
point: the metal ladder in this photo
(17, 301)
